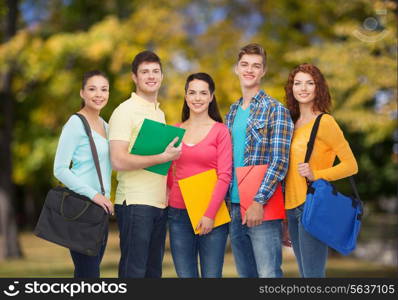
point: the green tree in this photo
(9, 246)
(362, 73)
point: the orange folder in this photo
(249, 181)
(197, 191)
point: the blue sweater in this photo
(74, 146)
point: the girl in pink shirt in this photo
(206, 145)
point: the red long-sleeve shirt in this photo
(213, 152)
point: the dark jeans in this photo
(142, 232)
(88, 266)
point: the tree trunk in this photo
(9, 245)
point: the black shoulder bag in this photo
(72, 220)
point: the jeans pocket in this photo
(145, 211)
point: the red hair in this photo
(322, 101)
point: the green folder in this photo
(153, 138)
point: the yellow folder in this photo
(197, 191)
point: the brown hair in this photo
(322, 101)
(144, 56)
(253, 48)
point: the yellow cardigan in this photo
(329, 142)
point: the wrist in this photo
(162, 158)
(94, 196)
(209, 216)
(257, 204)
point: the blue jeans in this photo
(257, 250)
(186, 246)
(142, 232)
(87, 266)
(311, 254)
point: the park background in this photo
(48, 45)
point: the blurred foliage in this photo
(63, 39)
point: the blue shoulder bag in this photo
(328, 215)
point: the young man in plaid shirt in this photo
(261, 130)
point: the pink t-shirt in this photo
(213, 152)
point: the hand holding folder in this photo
(197, 191)
(249, 181)
(153, 138)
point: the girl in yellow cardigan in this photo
(307, 96)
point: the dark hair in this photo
(322, 101)
(144, 56)
(213, 111)
(253, 48)
(88, 75)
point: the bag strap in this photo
(310, 144)
(93, 150)
(354, 188)
(310, 147)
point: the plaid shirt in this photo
(269, 132)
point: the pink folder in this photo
(249, 181)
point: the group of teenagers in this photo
(257, 130)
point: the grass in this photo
(44, 259)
